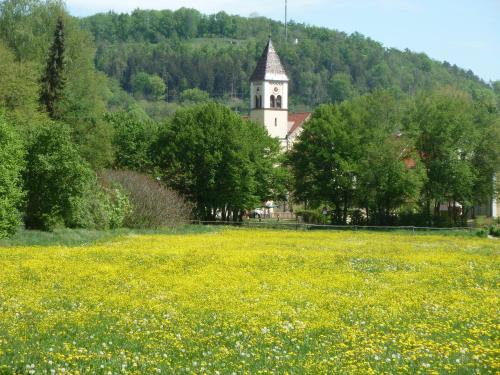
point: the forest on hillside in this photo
(217, 54)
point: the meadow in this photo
(252, 301)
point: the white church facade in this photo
(269, 99)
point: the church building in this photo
(269, 99)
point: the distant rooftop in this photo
(269, 67)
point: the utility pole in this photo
(286, 21)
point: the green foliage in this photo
(455, 153)
(194, 96)
(494, 231)
(149, 86)
(340, 87)
(215, 159)
(27, 29)
(132, 140)
(217, 54)
(312, 216)
(324, 160)
(52, 83)
(11, 165)
(103, 206)
(19, 90)
(56, 180)
(350, 156)
(399, 160)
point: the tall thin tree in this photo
(53, 80)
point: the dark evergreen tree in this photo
(52, 83)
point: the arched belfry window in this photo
(258, 101)
(273, 101)
(278, 101)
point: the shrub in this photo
(103, 207)
(152, 204)
(56, 180)
(494, 231)
(11, 164)
(312, 216)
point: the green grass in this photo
(79, 237)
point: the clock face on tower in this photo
(276, 89)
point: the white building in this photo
(269, 99)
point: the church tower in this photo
(269, 94)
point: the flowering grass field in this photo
(252, 301)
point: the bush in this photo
(103, 207)
(494, 231)
(152, 204)
(312, 216)
(483, 232)
(56, 179)
(11, 164)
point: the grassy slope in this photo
(248, 300)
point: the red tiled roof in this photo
(298, 120)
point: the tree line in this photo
(217, 53)
(382, 160)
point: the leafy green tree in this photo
(324, 160)
(53, 80)
(207, 154)
(150, 86)
(56, 179)
(11, 165)
(157, 87)
(19, 90)
(385, 182)
(132, 140)
(340, 87)
(194, 96)
(486, 159)
(27, 28)
(447, 140)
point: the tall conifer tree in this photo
(53, 79)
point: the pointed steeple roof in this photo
(269, 67)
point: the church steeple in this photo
(269, 66)
(269, 94)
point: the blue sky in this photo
(462, 32)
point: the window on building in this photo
(278, 101)
(275, 121)
(273, 101)
(258, 101)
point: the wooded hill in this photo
(217, 53)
